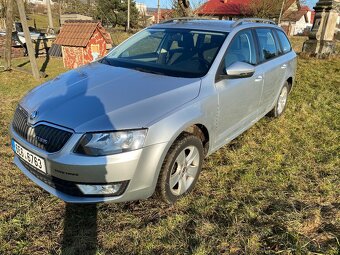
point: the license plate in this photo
(29, 157)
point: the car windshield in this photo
(173, 52)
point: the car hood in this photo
(100, 97)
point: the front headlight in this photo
(101, 144)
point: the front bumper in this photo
(139, 169)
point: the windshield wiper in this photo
(145, 70)
(105, 61)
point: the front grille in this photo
(44, 137)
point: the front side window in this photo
(146, 45)
(241, 49)
(174, 52)
(286, 47)
(267, 45)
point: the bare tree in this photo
(269, 8)
(184, 5)
(264, 8)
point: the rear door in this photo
(238, 98)
(273, 66)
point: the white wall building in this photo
(297, 19)
(141, 8)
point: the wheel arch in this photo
(201, 131)
(290, 83)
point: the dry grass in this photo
(274, 190)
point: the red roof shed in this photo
(82, 42)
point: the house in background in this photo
(146, 18)
(164, 14)
(297, 19)
(142, 8)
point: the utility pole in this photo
(29, 44)
(158, 11)
(50, 20)
(128, 16)
(280, 17)
(60, 2)
(9, 27)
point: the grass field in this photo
(273, 190)
(41, 21)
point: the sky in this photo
(195, 3)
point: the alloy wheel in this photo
(184, 170)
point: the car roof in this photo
(212, 25)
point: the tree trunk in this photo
(9, 27)
(185, 7)
(50, 29)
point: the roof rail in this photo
(256, 20)
(184, 19)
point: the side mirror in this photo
(239, 70)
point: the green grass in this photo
(273, 190)
(41, 21)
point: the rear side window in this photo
(286, 47)
(267, 45)
(242, 49)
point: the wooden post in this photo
(29, 44)
(50, 29)
(9, 27)
(281, 12)
(158, 12)
(128, 16)
(60, 2)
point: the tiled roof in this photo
(220, 7)
(163, 14)
(297, 15)
(293, 16)
(288, 4)
(305, 8)
(79, 32)
(312, 17)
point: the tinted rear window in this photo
(267, 45)
(286, 47)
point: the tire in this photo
(281, 102)
(175, 181)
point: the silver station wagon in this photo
(143, 118)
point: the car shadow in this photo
(80, 229)
(80, 220)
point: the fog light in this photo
(107, 189)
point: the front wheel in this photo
(181, 168)
(281, 102)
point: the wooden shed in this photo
(82, 41)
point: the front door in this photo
(238, 98)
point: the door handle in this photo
(284, 66)
(259, 78)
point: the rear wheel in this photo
(181, 168)
(281, 102)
